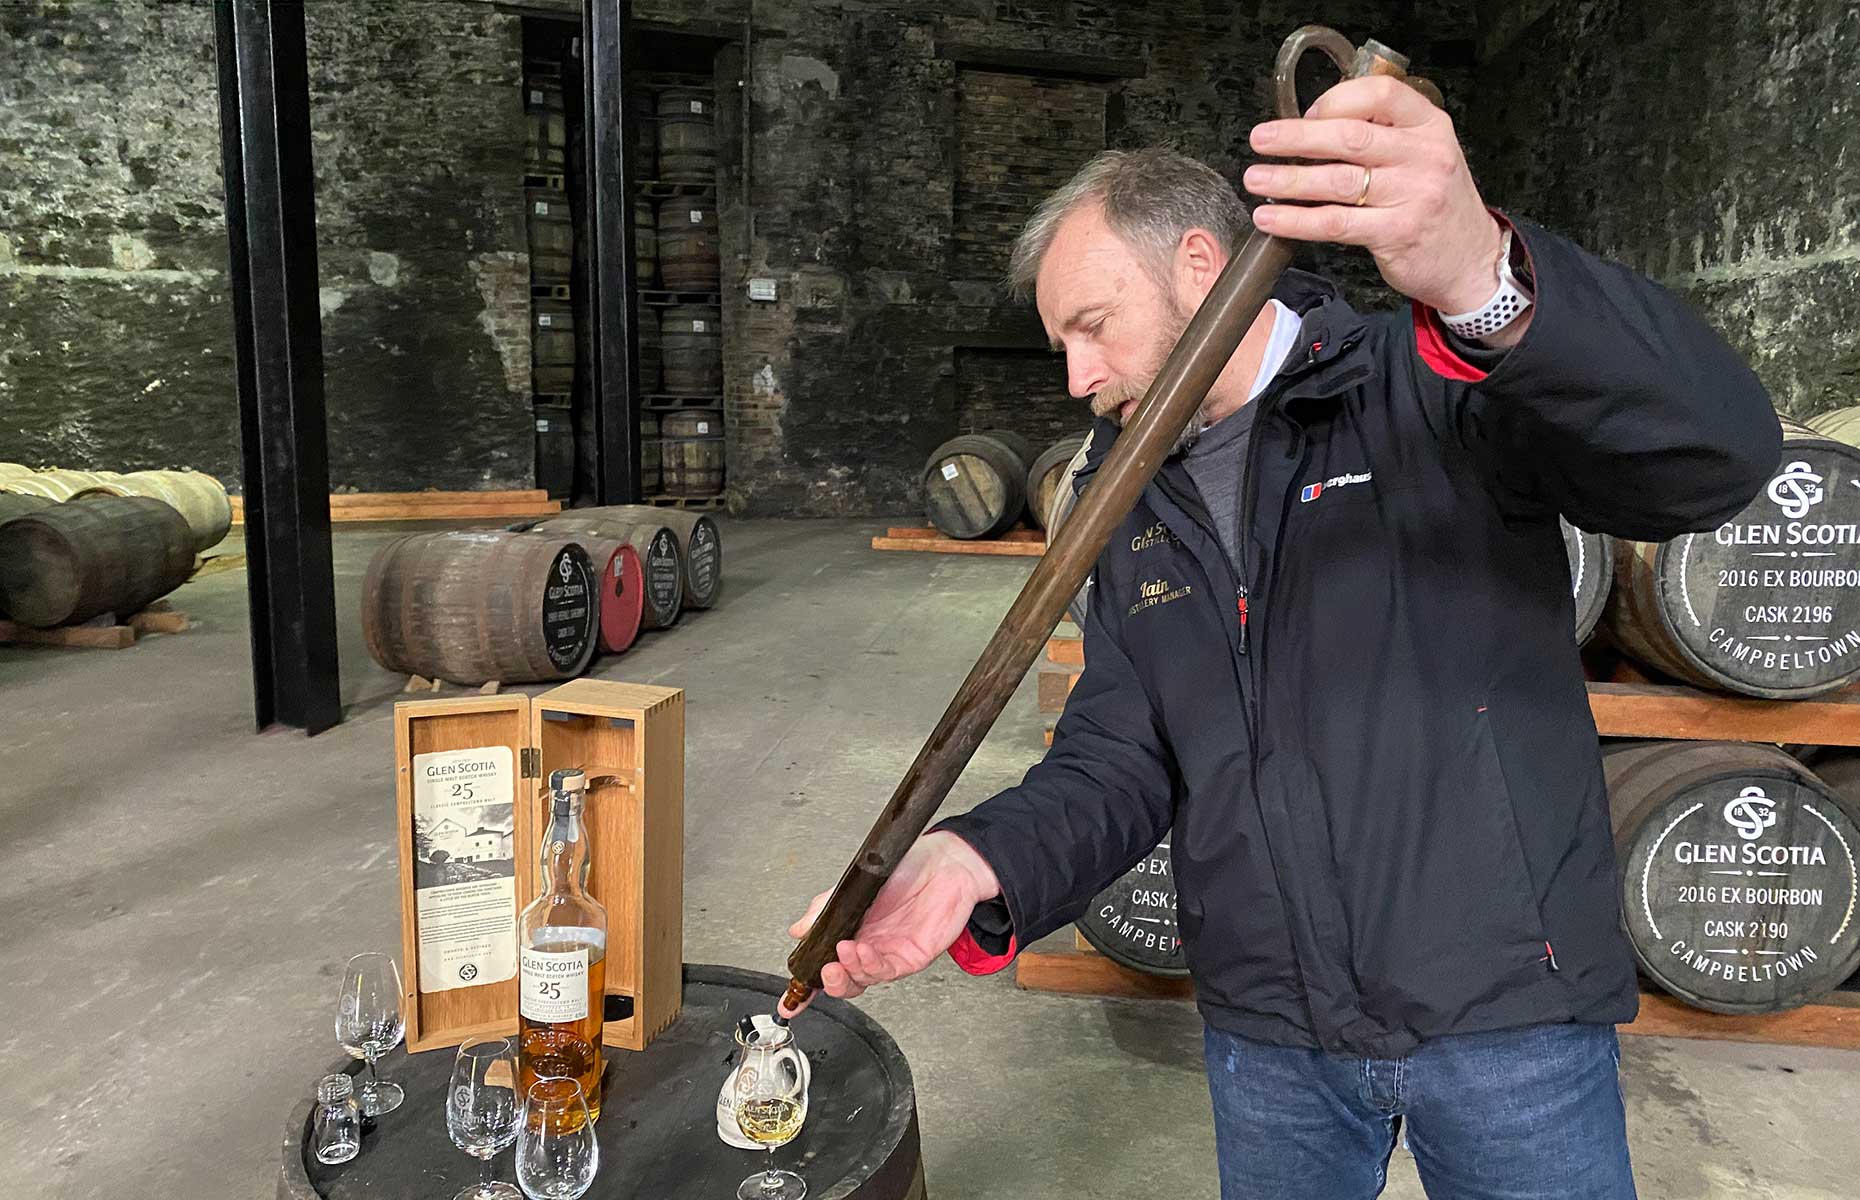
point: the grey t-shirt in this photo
(1215, 462)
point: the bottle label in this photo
(555, 985)
(464, 869)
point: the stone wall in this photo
(116, 350)
(1712, 147)
(896, 149)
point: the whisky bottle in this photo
(562, 968)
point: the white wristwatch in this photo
(1506, 305)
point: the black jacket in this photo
(1386, 791)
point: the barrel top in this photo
(1739, 881)
(1132, 922)
(658, 1126)
(1767, 602)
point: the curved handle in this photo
(1353, 62)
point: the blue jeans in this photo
(1521, 1114)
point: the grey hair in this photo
(1151, 197)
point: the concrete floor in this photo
(178, 894)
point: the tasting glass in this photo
(369, 1023)
(557, 1155)
(482, 1111)
(771, 1107)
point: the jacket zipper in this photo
(1245, 538)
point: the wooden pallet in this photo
(1626, 704)
(659, 189)
(1084, 972)
(420, 683)
(543, 290)
(102, 633)
(661, 298)
(551, 181)
(662, 403)
(1022, 541)
(430, 506)
(688, 503)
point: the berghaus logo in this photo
(1313, 490)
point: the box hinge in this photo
(532, 762)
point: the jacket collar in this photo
(1328, 360)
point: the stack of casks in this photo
(678, 269)
(979, 485)
(645, 120)
(75, 545)
(682, 438)
(552, 248)
(536, 602)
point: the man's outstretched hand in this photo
(916, 915)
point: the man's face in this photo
(1107, 313)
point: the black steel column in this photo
(271, 223)
(608, 187)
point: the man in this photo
(1331, 647)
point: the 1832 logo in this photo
(1750, 812)
(1797, 490)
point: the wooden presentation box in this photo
(630, 741)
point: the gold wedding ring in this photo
(1364, 194)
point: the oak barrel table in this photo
(658, 1126)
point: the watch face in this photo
(1520, 262)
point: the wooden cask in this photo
(200, 498)
(687, 136)
(547, 124)
(1049, 473)
(473, 607)
(552, 347)
(645, 129)
(1133, 922)
(645, 243)
(12, 505)
(661, 556)
(1768, 603)
(59, 485)
(619, 589)
(1018, 443)
(691, 450)
(555, 449)
(68, 563)
(975, 486)
(651, 359)
(551, 235)
(1842, 424)
(1591, 575)
(1738, 879)
(691, 350)
(699, 538)
(690, 254)
(1058, 508)
(651, 457)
